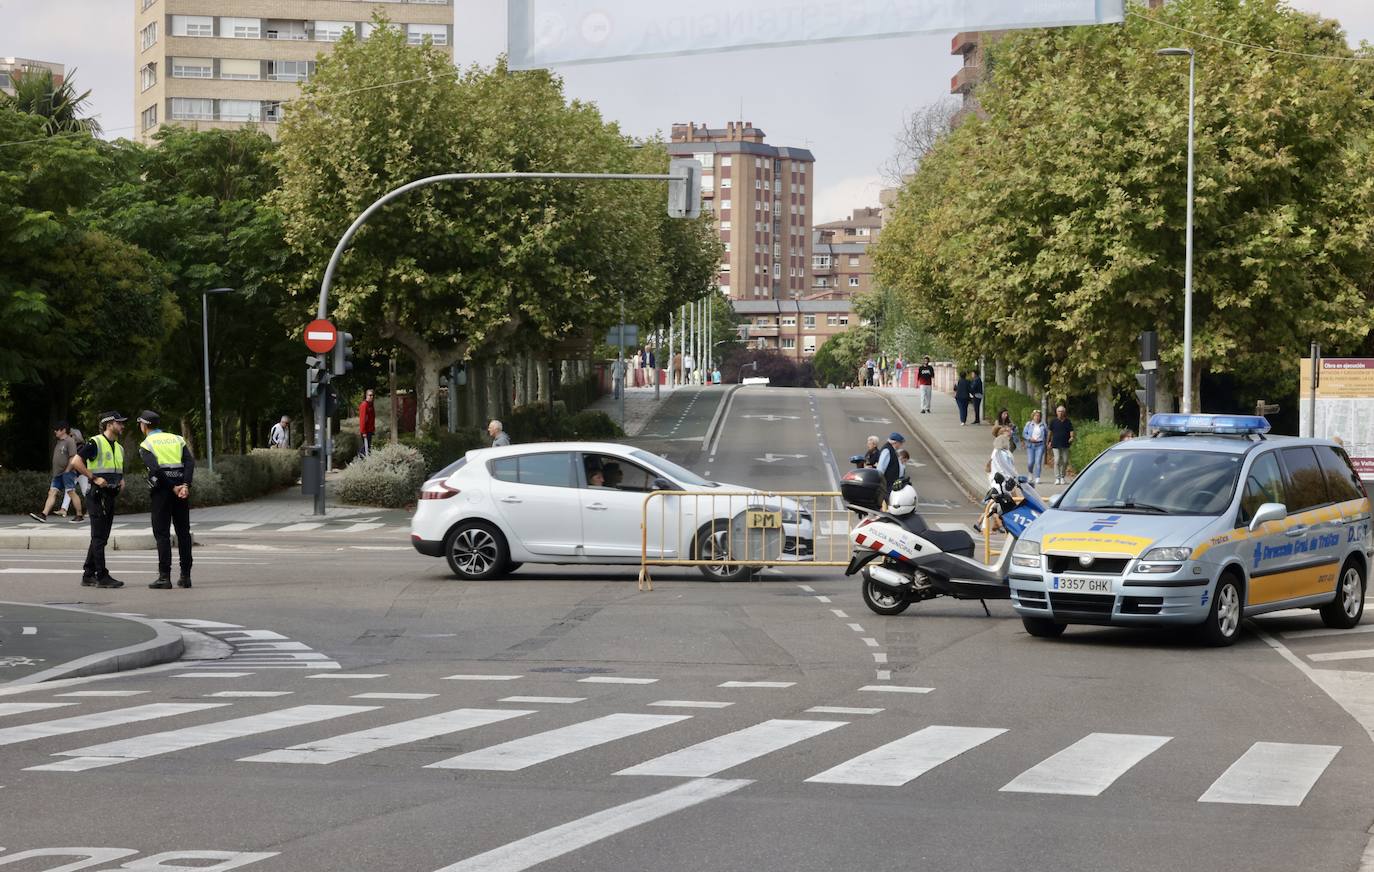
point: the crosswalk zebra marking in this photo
(21, 708)
(156, 744)
(691, 703)
(100, 720)
(349, 675)
(212, 674)
(336, 748)
(732, 749)
(250, 694)
(520, 754)
(360, 528)
(842, 710)
(908, 758)
(393, 696)
(615, 679)
(233, 528)
(105, 693)
(556, 700)
(894, 688)
(304, 527)
(479, 677)
(771, 684)
(1326, 631)
(1331, 656)
(1088, 766)
(1272, 773)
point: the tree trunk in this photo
(493, 391)
(428, 368)
(999, 368)
(1105, 413)
(520, 373)
(542, 380)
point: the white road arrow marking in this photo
(770, 457)
(865, 420)
(774, 417)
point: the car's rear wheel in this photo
(1347, 608)
(712, 544)
(1222, 626)
(1043, 628)
(476, 551)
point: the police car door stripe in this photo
(1272, 773)
(908, 758)
(338, 748)
(541, 747)
(99, 720)
(155, 744)
(732, 749)
(1088, 766)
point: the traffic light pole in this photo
(322, 439)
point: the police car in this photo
(1204, 524)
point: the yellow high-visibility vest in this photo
(165, 447)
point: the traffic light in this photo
(315, 375)
(1146, 395)
(343, 354)
(1149, 362)
(684, 188)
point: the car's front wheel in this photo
(1347, 608)
(477, 551)
(1222, 626)
(1042, 628)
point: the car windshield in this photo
(1156, 481)
(672, 470)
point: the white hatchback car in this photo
(583, 503)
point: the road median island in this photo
(49, 642)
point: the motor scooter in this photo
(902, 559)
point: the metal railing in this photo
(733, 533)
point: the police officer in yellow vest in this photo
(102, 460)
(170, 467)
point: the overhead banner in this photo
(1345, 406)
(547, 33)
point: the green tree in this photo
(1049, 230)
(60, 106)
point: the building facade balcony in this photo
(963, 81)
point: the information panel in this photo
(1345, 406)
(553, 32)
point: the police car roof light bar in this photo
(1219, 425)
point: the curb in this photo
(165, 647)
(13, 541)
(717, 418)
(972, 487)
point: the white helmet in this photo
(902, 501)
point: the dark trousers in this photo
(100, 508)
(170, 510)
(976, 403)
(963, 409)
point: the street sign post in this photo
(320, 336)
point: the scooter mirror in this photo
(998, 477)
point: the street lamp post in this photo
(1188, 238)
(205, 346)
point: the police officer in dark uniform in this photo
(170, 467)
(102, 460)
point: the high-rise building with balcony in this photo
(15, 68)
(227, 63)
(841, 266)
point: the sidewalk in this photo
(640, 406)
(962, 451)
(44, 643)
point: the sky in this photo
(845, 101)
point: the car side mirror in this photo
(1268, 512)
(1054, 499)
(664, 484)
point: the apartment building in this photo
(226, 63)
(762, 197)
(841, 266)
(795, 328)
(14, 68)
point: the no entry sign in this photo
(320, 336)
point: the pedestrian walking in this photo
(1004, 420)
(900, 367)
(675, 377)
(617, 378)
(280, 437)
(925, 380)
(976, 396)
(367, 422)
(689, 368)
(1034, 434)
(102, 459)
(171, 465)
(497, 432)
(1061, 440)
(870, 370)
(63, 479)
(963, 393)
(83, 484)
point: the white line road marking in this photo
(870, 642)
(895, 688)
(238, 635)
(732, 749)
(1363, 654)
(480, 677)
(909, 757)
(336, 748)
(197, 624)
(520, 754)
(884, 674)
(822, 599)
(233, 528)
(1272, 773)
(839, 613)
(19, 708)
(1088, 766)
(858, 628)
(349, 675)
(211, 674)
(249, 694)
(29, 631)
(103, 693)
(879, 657)
(841, 710)
(757, 684)
(393, 696)
(99, 720)
(615, 679)
(156, 744)
(304, 527)
(1326, 631)
(544, 699)
(532, 850)
(690, 703)
(806, 587)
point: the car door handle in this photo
(598, 507)
(1295, 532)
(511, 500)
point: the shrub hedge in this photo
(388, 477)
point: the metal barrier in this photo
(737, 532)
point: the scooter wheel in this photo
(884, 600)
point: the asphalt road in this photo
(377, 715)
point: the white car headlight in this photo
(1166, 555)
(1026, 553)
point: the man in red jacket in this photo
(367, 422)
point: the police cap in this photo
(107, 417)
(149, 417)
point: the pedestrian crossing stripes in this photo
(1265, 773)
(255, 649)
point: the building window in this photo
(193, 25)
(809, 322)
(148, 75)
(725, 182)
(288, 71)
(271, 111)
(727, 248)
(789, 344)
(853, 281)
(821, 261)
(281, 29)
(725, 266)
(238, 68)
(832, 320)
(332, 31)
(240, 110)
(240, 28)
(193, 109)
(844, 320)
(708, 182)
(147, 3)
(725, 225)
(416, 33)
(192, 68)
(808, 345)
(761, 321)
(853, 260)
(149, 117)
(725, 288)
(706, 159)
(863, 231)
(777, 270)
(724, 204)
(149, 35)
(758, 163)
(789, 320)
(725, 161)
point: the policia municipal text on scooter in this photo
(102, 460)
(170, 467)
